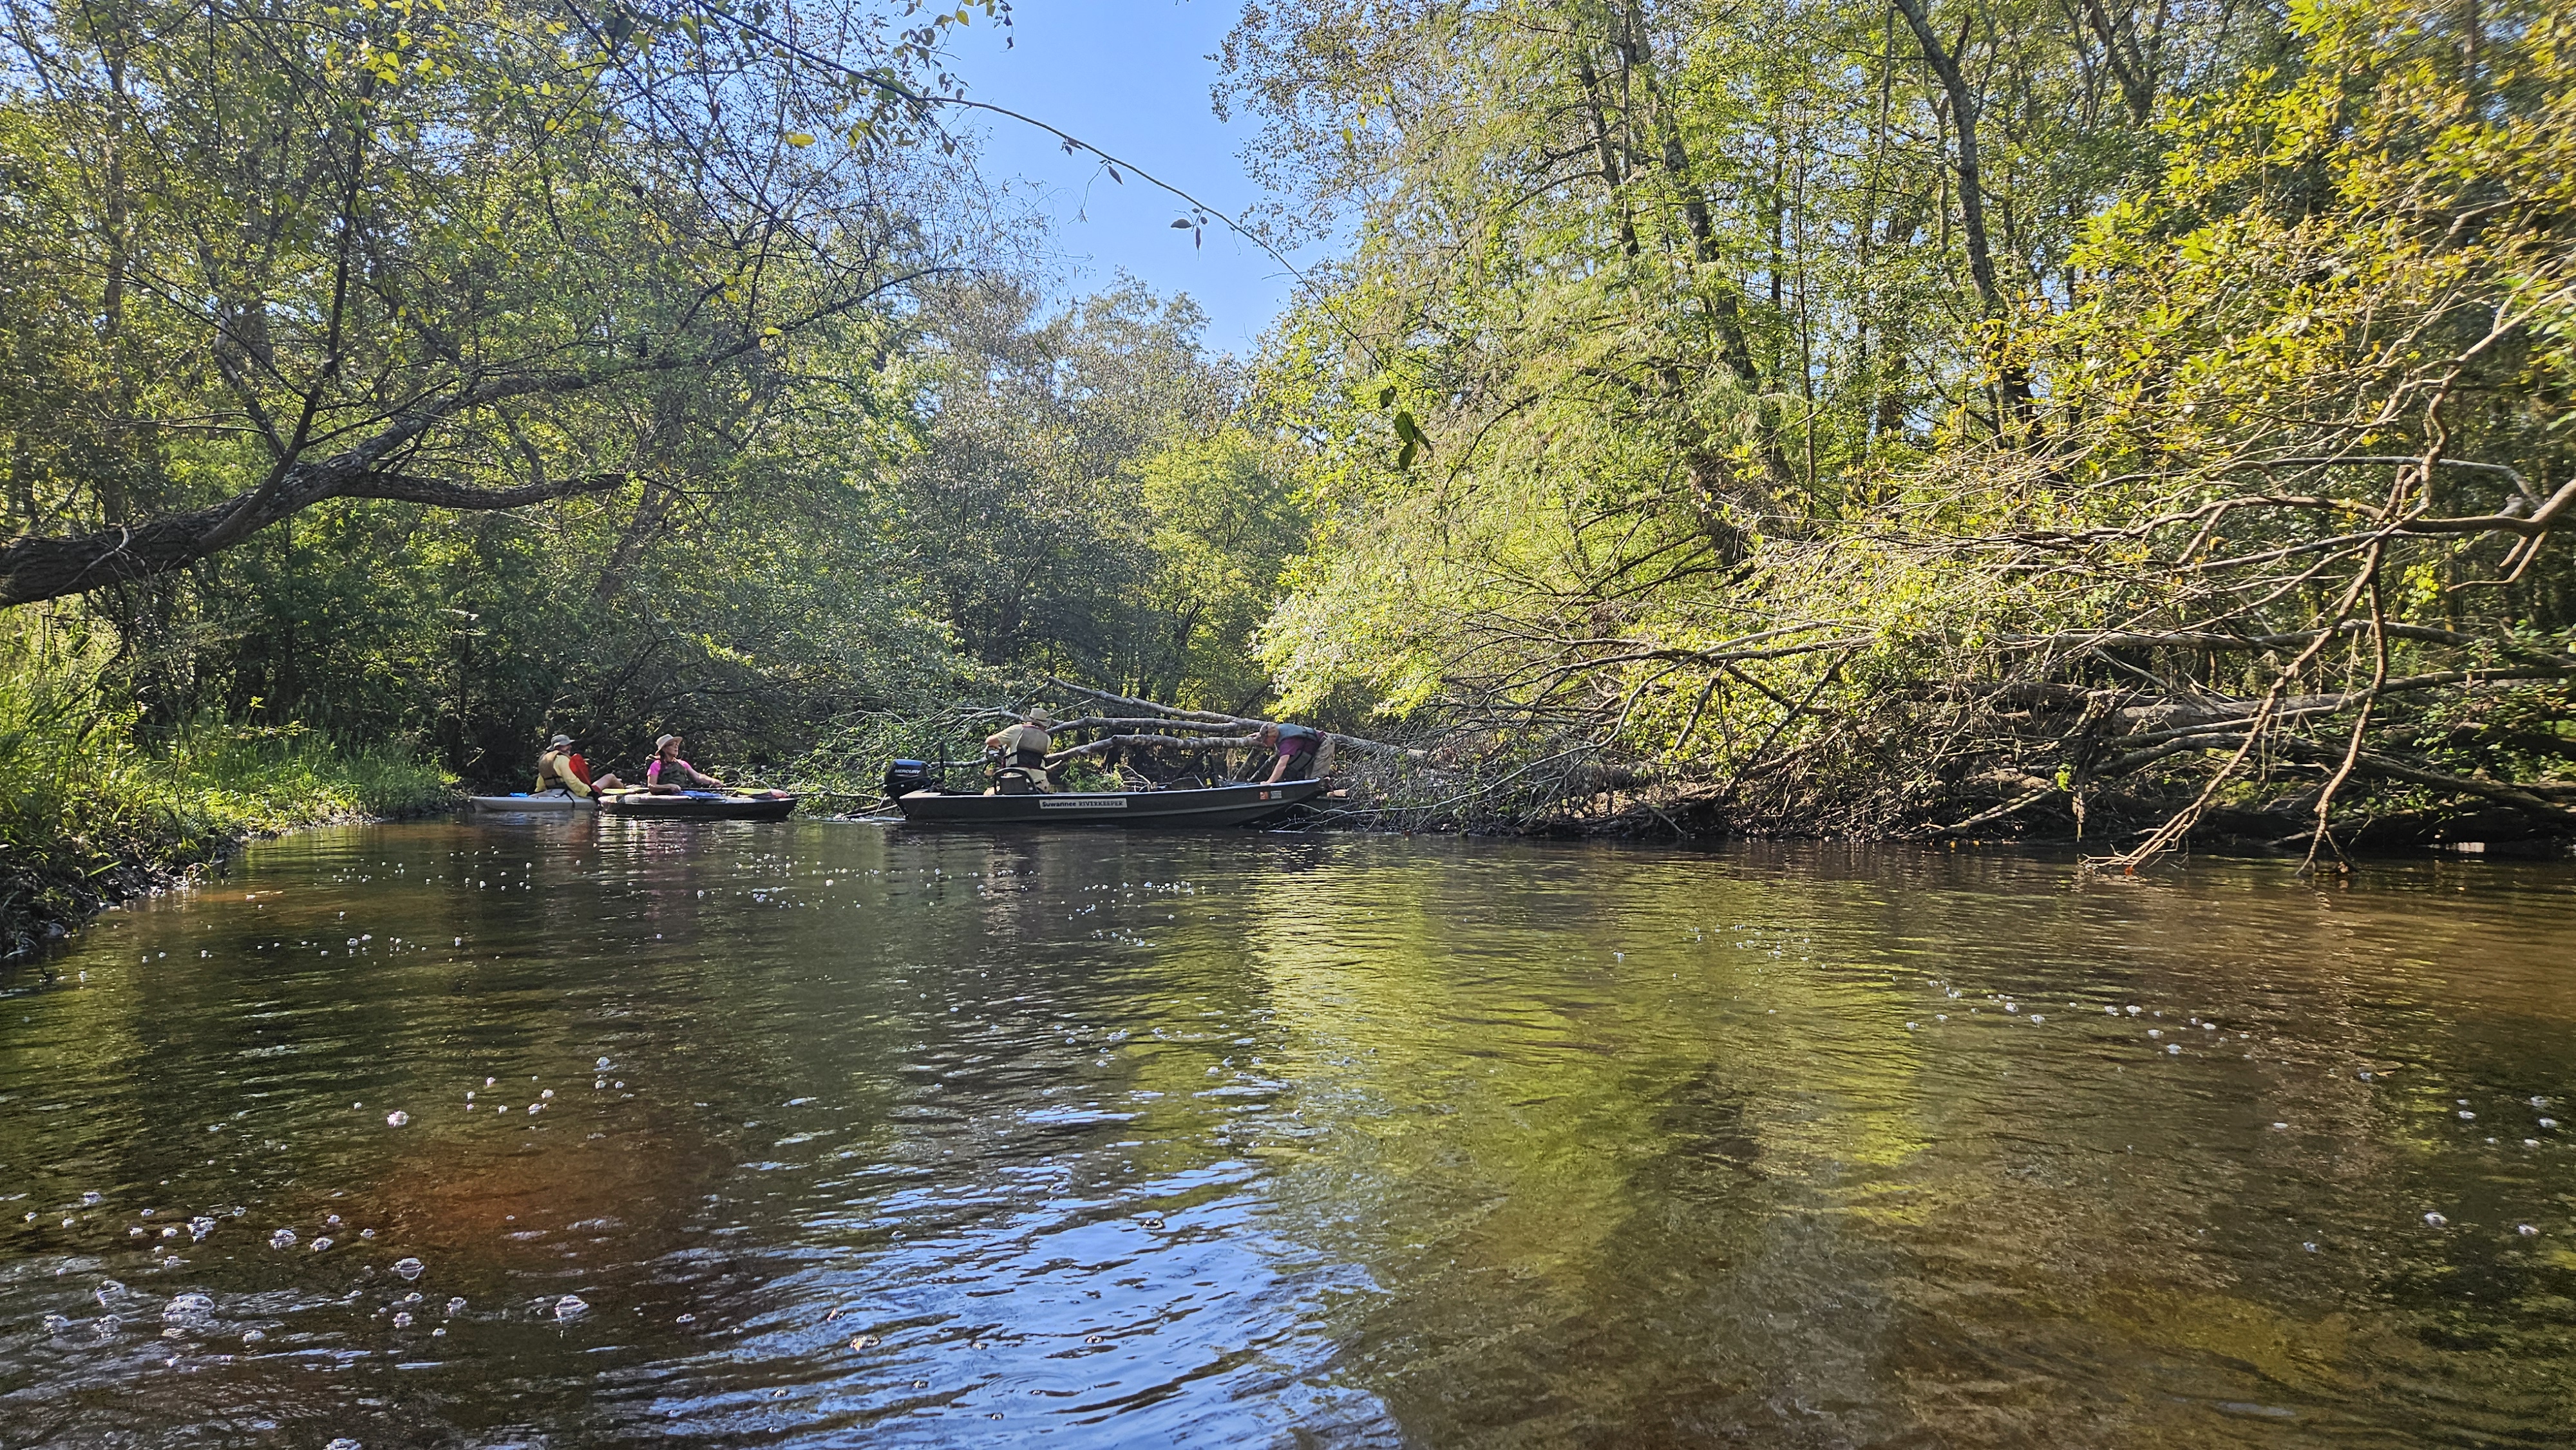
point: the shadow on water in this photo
(822, 1133)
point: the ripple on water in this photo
(1244, 1138)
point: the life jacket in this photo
(563, 770)
(1028, 746)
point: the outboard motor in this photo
(903, 777)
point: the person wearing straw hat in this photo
(1023, 748)
(668, 774)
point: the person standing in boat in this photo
(1299, 752)
(1023, 748)
(561, 768)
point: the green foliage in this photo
(1669, 446)
(91, 806)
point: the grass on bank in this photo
(92, 812)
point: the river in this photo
(831, 1133)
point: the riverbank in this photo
(91, 817)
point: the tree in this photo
(1863, 418)
(446, 254)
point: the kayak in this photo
(554, 800)
(695, 806)
(1225, 805)
(699, 806)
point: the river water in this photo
(834, 1133)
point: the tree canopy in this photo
(1901, 419)
(1918, 417)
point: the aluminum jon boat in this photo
(1225, 805)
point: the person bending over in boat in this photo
(1301, 752)
(1023, 748)
(562, 768)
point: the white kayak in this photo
(553, 800)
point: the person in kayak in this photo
(561, 768)
(668, 774)
(1023, 748)
(1299, 752)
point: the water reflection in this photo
(818, 1133)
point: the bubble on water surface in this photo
(397, 1118)
(200, 1227)
(569, 1305)
(320, 1244)
(344, 1443)
(550, 1092)
(2436, 1220)
(454, 1305)
(91, 1198)
(410, 1268)
(108, 1290)
(282, 1239)
(2527, 1231)
(254, 1336)
(2549, 1122)
(402, 1321)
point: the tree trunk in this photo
(2012, 380)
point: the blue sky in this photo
(1132, 77)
